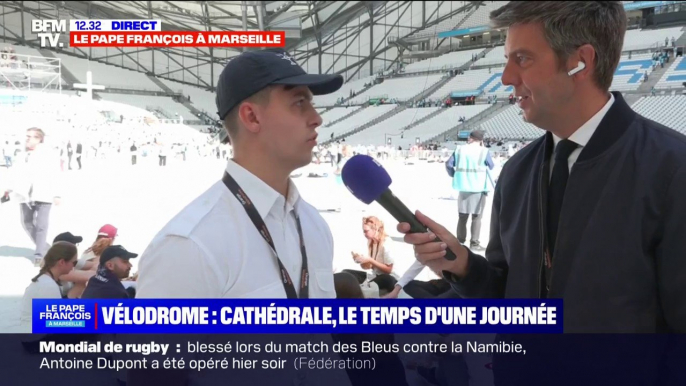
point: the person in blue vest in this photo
(114, 266)
(468, 166)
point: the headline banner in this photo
(246, 316)
(178, 39)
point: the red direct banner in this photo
(178, 39)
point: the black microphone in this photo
(367, 180)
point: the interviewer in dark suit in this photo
(591, 212)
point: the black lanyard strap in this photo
(262, 229)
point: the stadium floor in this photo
(141, 200)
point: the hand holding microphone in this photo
(367, 180)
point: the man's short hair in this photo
(231, 123)
(570, 24)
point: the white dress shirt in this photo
(211, 249)
(415, 269)
(35, 176)
(582, 135)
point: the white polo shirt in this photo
(211, 249)
(45, 287)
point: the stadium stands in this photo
(488, 82)
(480, 17)
(376, 135)
(509, 124)
(675, 76)
(629, 73)
(494, 57)
(355, 121)
(201, 99)
(444, 62)
(107, 75)
(443, 26)
(635, 40)
(354, 85)
(402, 88)
(439, 124)
(337, 113)
(667, 110)
(151, 103)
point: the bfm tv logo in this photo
(41, 27)
(65, 315)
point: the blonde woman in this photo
(377, 262)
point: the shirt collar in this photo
(584, 133)
(263, 196)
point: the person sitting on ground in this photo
(389, 364)
(378, 259)
(91, 257)
(73, 282)
(114, 266)
(59, 260)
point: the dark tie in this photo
(556, 190)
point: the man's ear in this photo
(583, 63)
(249, 116)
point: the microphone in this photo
(367, 180)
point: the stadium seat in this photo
(444, 62)
(402, 88)
(675, 76)
(377, 134)
(510, 125)
(667, 110)
(355, 121)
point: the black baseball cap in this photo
(68, 237)
(251, 71)
(115, 251)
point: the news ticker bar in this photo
(249, 316)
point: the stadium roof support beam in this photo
(234, 16)
(280, 12)
(208, 27)
(259, 11)
(153, 51)
(200, 80)
(105, 57)
(355, 36)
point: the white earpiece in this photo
(576, 69)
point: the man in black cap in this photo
(468, 168)
(114, 266)
(251, 235)
(68, 237)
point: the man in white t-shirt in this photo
(213, 248)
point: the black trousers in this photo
(163, 160)
(133, 159)
(78, 160)
(385, 281)
(433, 289)
(462, 228)
(34, 219)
